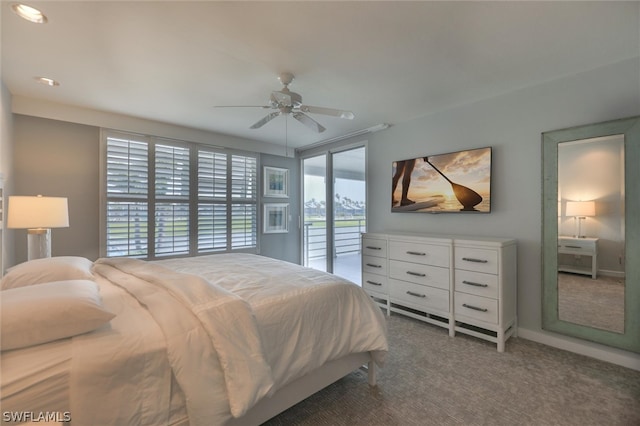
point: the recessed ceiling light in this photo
(29, 13)
(47, 81)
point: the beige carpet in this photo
(432, 379)
(597, 303)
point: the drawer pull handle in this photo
(373, 283)
(475, 284)
(471, 259)
(374, 266)
(416, 274)
(411, 293)
(416, 253)
(374, 248)
(577, 247)
(475, 308)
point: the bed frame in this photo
(306, 386)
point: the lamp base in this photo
(38, 243)
(578, 220)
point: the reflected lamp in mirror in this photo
(580, 210)
(37, 215)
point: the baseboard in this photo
(608, 273)
(593, 350)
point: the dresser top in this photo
(442, 238)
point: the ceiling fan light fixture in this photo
(29, 13)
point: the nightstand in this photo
(579, 247)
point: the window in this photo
(168, 198)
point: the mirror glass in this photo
(591, 234)
(591, 241)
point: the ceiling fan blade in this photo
(309, 122)
(242, 106)
(328, 111)
(267, 118)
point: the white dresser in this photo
(467, 285)
(374, 269)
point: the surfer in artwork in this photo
(404, 168)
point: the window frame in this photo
(193, 200)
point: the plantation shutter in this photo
(244, 194)
(127, 181)
(212, 205)
(167, 198)
(172, 172)
(172, 200)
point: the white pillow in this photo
(46, 270)
(41, 313)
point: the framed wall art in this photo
(444, 183)
(276, 218)
(276, 182)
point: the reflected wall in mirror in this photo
(591, 273)
(591, 234)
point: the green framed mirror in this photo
(591, 232)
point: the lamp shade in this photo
(27, 212)
(581, 208)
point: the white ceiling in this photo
(388, 62)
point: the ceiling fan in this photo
(286, 102)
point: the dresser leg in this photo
(500, 341)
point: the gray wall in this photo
(6, 170)
(60, 159)
(512, 124)
(285, 246)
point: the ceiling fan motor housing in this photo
(285, 98)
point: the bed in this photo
(221, 339)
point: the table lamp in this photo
(38, 215)
(580, 210)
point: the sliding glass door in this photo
(314, 229)
(349, 211)
(334, 197)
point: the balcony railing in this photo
(347, 238)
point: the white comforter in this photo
(238, 327)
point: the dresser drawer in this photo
(476, 259)
(418, 296)
(426, 254)
(374, 265)
(477, 283)
(576, 245)
(433, 276)
(476, 307)
(374, 282)
(374, 247)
